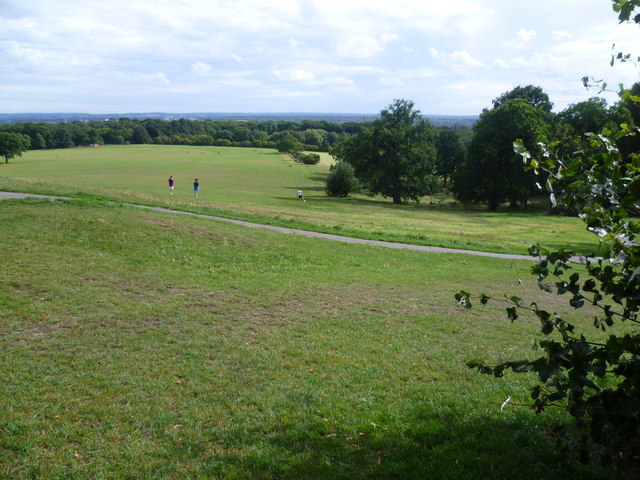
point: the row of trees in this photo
(402, 157)
(315, 135)
(492, 173)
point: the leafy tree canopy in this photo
(450, 153)
(531, 94)
(13, 145)
(492, 172)
(395, 155)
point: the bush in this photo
(308, 158)
(342, 180)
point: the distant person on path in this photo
(171, 182)
(196, 187)
(300, 196)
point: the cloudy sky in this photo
(342, 56)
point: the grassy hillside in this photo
(261, 185)
(137, 344)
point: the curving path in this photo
(307, 233)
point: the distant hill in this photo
(441, 121)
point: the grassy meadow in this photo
(260, 185)
(139, 344)
(146, 345)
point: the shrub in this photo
(308, 158)
(342, 180)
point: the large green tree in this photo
(395, 155)
(533, 95)
(450, 153)
(492, 172)
(589, 116)
(13, 145)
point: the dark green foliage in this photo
(588, 116)
(310, 135)
(342, 180)
(395, 155)
(630, 144)
(626, 10)
(534, 96)
(289, 144)
(450, 153)
(140, 135)
(13, 145)
(492, 172)
(307, 158)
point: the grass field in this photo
(260, 185)
(136, 344)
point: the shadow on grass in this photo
(431, 448)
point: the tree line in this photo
(312, 135)
(401, 156)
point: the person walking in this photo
(171, 182)
(300, 196)
(196, 187)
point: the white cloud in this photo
(293, 74)
(362, 45)
(560, 35)
(459, 58)
(526, 35)
(201, 67)
(539, 62)
(301, 75)
(435, 53)
(157, 78)
(348, 54)
(464, 58)
(500, 63)
(338, 81)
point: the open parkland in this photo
(143, 344)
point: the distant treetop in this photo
(533, 95)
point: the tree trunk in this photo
(396, 199)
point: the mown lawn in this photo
(260, 185)
(136, 344)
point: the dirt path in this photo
(306, 233)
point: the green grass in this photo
(136, 344)
(260, 185)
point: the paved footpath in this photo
(307, 233)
